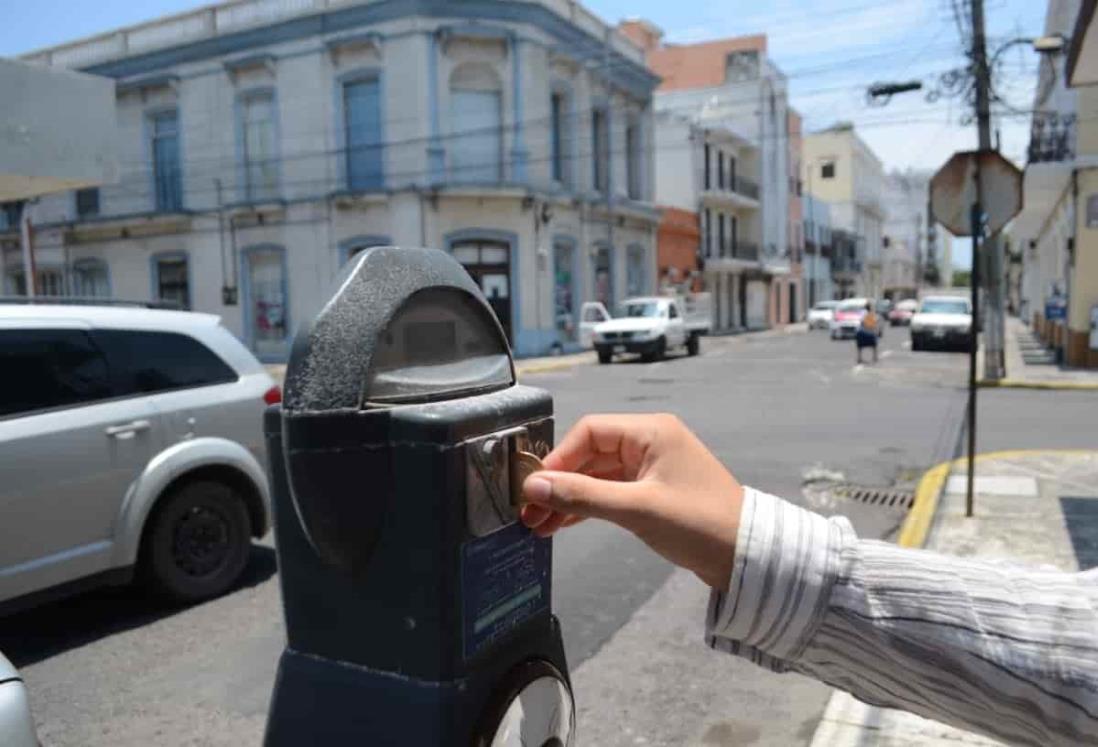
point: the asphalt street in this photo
(110, 668)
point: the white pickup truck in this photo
(653, 325)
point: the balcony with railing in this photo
(846, 265)
(734, 191)
(744, 251)
(1051, 138)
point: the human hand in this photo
(649, 474)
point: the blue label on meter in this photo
(504, 581)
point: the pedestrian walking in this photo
(869, 331)
(1009, 652)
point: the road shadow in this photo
(39, 633)
(1081, 519)
(636, 360)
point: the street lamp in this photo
(1052, 44)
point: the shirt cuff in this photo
(786, 563)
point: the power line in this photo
(395, 177)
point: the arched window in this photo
(90, 278)
(476, 124)
(350, 247)
(265, 301)
(603, 276)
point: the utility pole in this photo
(993, 337)
(983, 132)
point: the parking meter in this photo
(417, 607)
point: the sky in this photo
(830, 50)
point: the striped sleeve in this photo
(1005, 651)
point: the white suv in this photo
(130, 440)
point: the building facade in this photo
(731, 90)
(1055, 237)
(817, 250)
(787, 285)
(903, 247)
(264, 143)
(840, 169)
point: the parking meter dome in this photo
(404, 326)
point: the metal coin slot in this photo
(523, 464)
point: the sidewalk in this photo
(1030, 365)
(1031, 507)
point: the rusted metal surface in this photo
(953, 191)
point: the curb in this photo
(1038, 385)
(839, 713)
(535, 368)
(916, 526)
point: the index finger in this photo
(603, 438)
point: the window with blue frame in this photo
(10, 213)
(90, 278)
(362, 120)
(634, 270)
(167, 172)
(633, 161)
(476, 125)
(600, 151)
(260, 146)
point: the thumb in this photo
(581, 495)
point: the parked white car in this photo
(651, 326)
(16, 724)
(131, 445)
(820, 315)
(942, 321)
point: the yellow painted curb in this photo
(1045, 385)
(916, 526)
(535, 368)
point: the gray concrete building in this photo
(264, 142)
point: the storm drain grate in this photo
(890, 497)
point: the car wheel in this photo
(916, 344)
(605, 356)
(693, 345)
(661, 349)
(197, 542)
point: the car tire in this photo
(197, 542)
(916, 344)
(605, 356)
(693, 345)
(661, 349)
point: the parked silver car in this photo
(130, 444)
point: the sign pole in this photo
(977, 220)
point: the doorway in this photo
(489, 265)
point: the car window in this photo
(642, 309)
(47, 368)
(944, 306)
(593, 314)
(144, 362)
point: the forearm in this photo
(1011, 653)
